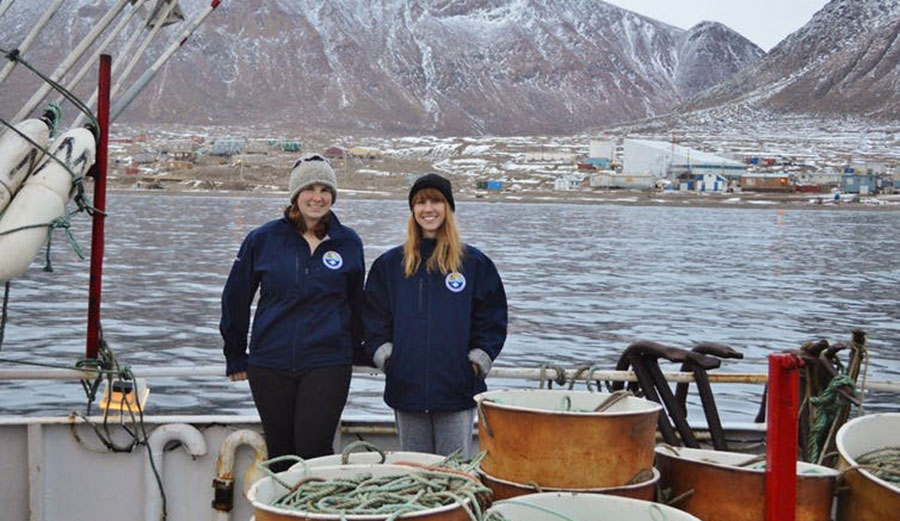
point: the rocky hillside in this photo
(470, 67)
(846, 60)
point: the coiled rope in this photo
(883, 463)
(391, 496)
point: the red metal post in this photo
(781, 437)
(97, 231)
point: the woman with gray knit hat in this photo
(308, 269)
(435, 319)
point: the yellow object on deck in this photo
(126, 396)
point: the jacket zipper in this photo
(296, 324)
(304, 285)
(427, 336)
(421, 283)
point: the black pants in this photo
(299, 411)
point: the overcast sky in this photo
(764, 22)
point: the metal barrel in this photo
(554, 506)
(555, 439)
(714, 487)
(265, 491)
(866, 497)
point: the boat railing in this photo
(501, 373)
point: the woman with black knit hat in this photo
(309, 271)
(435, 320)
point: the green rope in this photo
(345, 454)
(53, 115)
(577, 374)
(590, 377)
(392, 496)
(827, 407)
(883, 463)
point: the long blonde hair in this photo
(449, 250)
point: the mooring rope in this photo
(827, 407)
(883, 463)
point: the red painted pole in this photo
(781, 437)
(97, 231)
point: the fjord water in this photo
(583, 281)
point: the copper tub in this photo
(723, 491)
(866, 496)
(507, 489)
(266, 490)
(554, 439)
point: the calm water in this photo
(582, 281)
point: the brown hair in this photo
(449, 250)
(292, 214)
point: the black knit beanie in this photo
(435, 181)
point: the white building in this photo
(668, 160)
(602, 149)
(611, 179)
(567, 182)
(551, 156)
(711, 183)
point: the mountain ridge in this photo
(433, 66)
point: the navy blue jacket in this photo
(309, 309)
(433, 321)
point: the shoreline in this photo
(739, 200)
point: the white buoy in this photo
(18, 157)
(41, 200)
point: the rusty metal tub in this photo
(267, 490)
(554, 439)
(503, 489)
(553, 506)
(867, 497)
(724, 491)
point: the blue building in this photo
(228, 146)
(598, 162)
(859, 183)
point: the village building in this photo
(677, 163)
(766, 183)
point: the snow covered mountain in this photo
(846, 60)
(442, 66)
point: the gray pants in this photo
(439, 433)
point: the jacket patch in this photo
(455, 281)
(332, 260)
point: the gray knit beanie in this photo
(312, 169)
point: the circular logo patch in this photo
(332, 260)
(455, 282)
